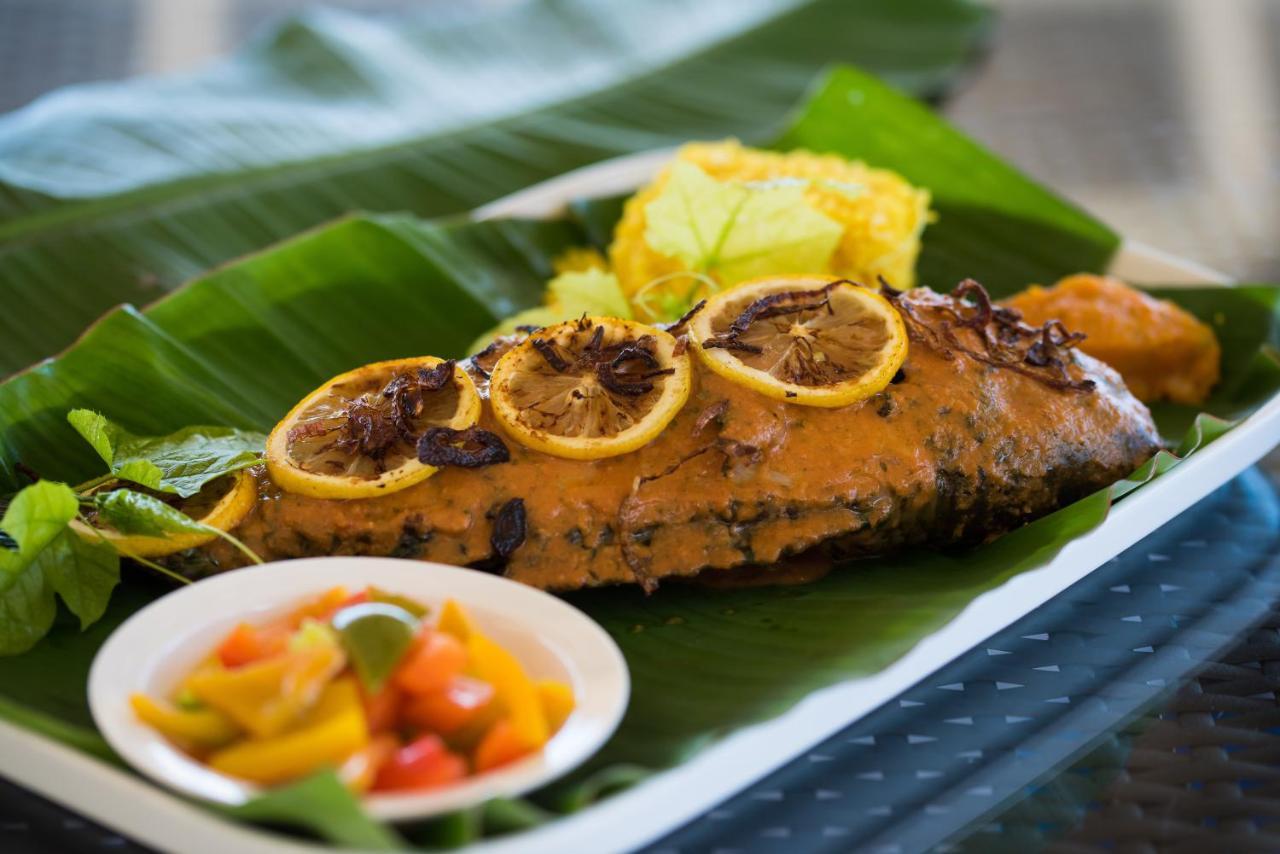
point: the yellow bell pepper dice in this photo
(557, 702)
(454, 620)
(513, 689)
(195, 727)
(266, 697)
(326, 736)
(209, 665)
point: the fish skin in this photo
(955, 454)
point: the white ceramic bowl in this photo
(553, 640)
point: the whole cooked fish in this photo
(986, 427)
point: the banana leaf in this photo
(241, 344)
(113, 193)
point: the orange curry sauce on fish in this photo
(984, 428)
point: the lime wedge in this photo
(375, 635)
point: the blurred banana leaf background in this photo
(117, 192)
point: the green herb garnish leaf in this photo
(320, 803)
(136, 514)
(27, 609)
(376, 636)
(35, 517)
(50, 560)
(736, 231)
(83, 572)
(180, 463)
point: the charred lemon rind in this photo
(225, 515)
(886, 361)
(288, 475)
(673, 394)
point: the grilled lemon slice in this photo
(221, 504)
(802, 339)
(590, 388)
(357, 435)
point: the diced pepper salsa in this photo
(366, 684)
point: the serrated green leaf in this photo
(83, 571)
(51, 560)
(594, 293)
(180, 463)
(34, 519)
(97, 430)
(137, 514)
(735, 231)
(27, 609)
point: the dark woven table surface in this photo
(1081, 728)
(1134, 711)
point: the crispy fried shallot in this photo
(371, 424)
(510, 526)
(1042, 353)
(627, 368)
(470, 448)
(773, 305)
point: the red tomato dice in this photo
(431, 663)
(424, 763)
(451, 708)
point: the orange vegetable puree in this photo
(1161, 351)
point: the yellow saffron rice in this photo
(883, 215)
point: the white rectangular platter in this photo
(668, 800)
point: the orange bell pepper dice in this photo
(424, 763)
(451, 708)
(516, 694)
(429, 665)
(247, 644)
(501, 745)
